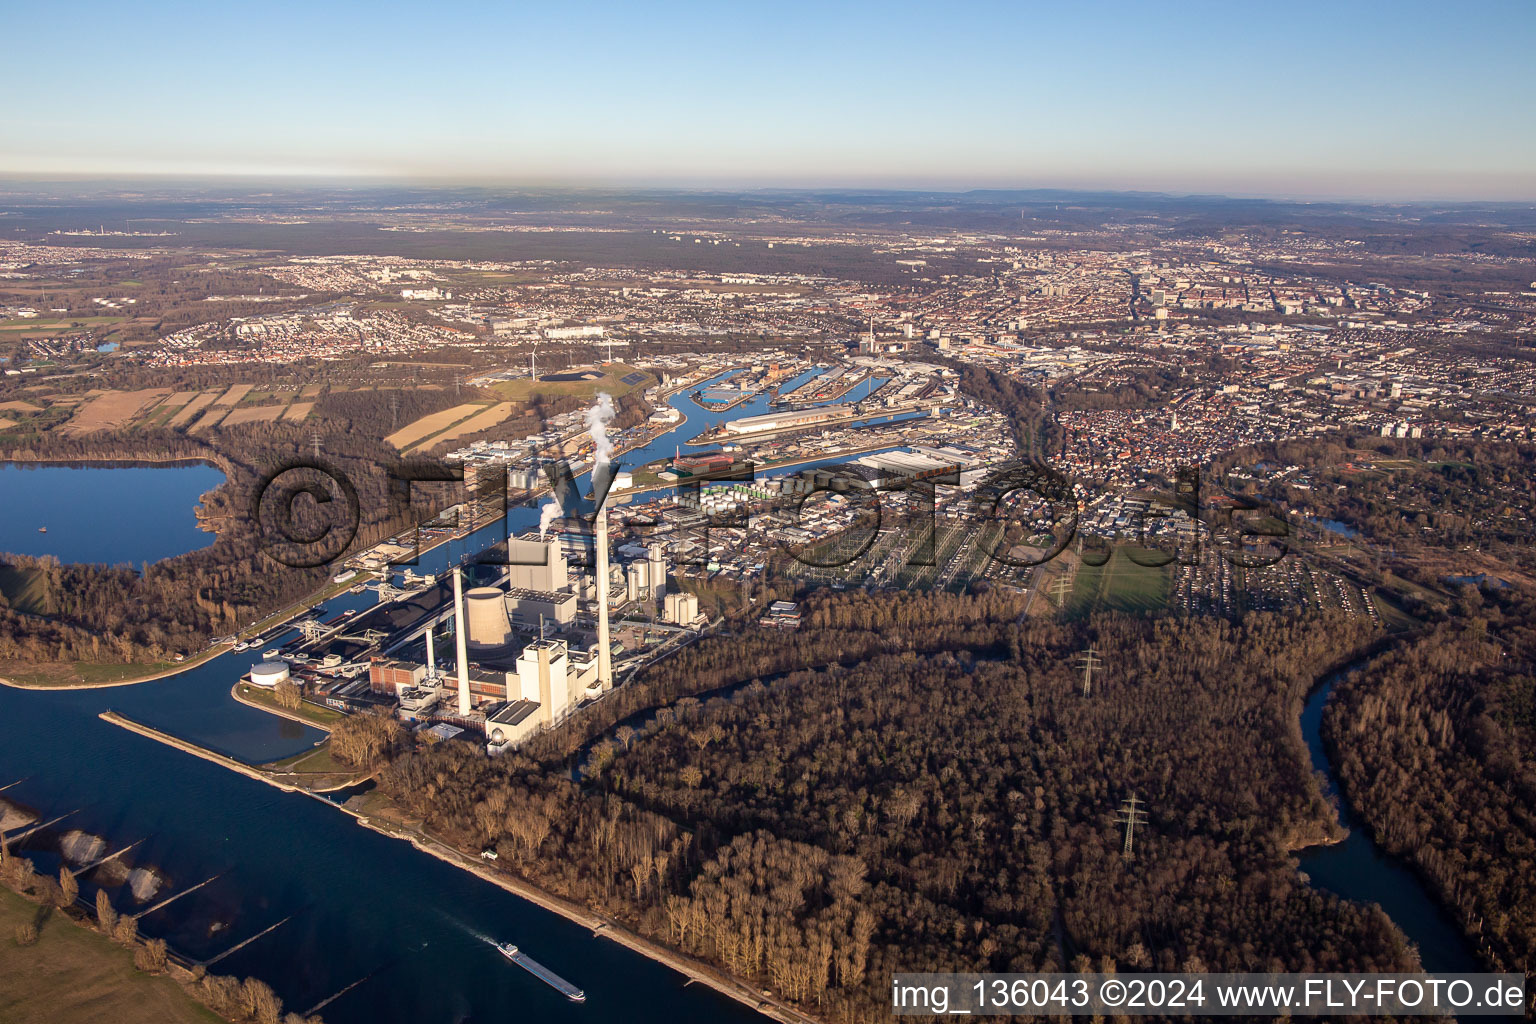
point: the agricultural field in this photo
(112, 410)
(252, 414)
(19, 406)
(480, 421)
(192, 408)
(235, 394)
(414, 433)
(26, 327)
(209, 419)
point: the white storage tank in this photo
(269, 673)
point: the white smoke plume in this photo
(598, 418)
(548, 513)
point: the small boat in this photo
(242, 645)
(541, 972)
(42, 529)
(270, 654)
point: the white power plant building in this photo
(537, 565)
(269, 673)
(647, 578)
(543, 677)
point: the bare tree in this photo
(106, 916)
(126, 932)
(288, 695)
(150, 957)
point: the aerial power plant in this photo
(533, 636)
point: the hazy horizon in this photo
(303, 180)
(1373, 101)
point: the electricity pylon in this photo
(1130, 815)
(1090, 660)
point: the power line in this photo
(1090, 660)
(1130, 815)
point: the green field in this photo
(1119, 585)
(39, 326)
(76, 976)
(523, 390)
(87, 673)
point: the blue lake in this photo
(104, 513)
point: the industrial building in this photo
(537, 565)
(681, 608)
(530, 641)
(782, 421)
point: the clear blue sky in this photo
(1400, 99)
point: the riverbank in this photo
(344, 779)
(165, 673)
(1354, 867)
(215, 459)
(279, 618)
(73, 974)
(764, 467)
(313, 720)
(694, 970)
(188, 747)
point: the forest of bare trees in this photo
(920, 784)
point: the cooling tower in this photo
(485, 609)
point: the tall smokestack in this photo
(461, 640)
(604, 644)
(431, 656)
(598, 418)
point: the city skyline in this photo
(1371, 102)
